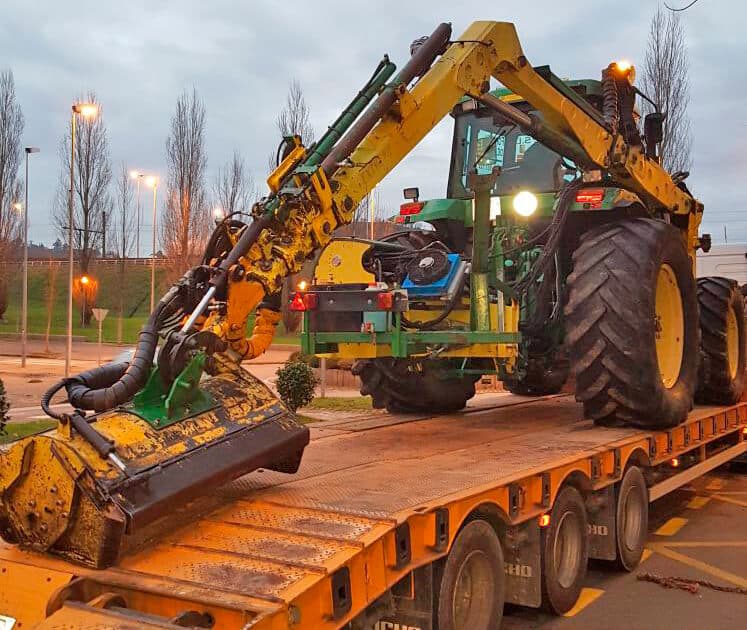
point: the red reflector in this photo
(411, 208)
(311, 301)
(298, 303)
(399, 219)
(385, 301)
(590, 197)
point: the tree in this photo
(124, 236)
(234, 189)
(293, 119)
(186, 221)
(11, 130)
(92, 174)
(665, 79)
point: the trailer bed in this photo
(368, 506)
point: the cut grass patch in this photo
(342, 403)
(17, 430)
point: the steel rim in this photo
(632, 521)
(669, 326)
(567, 549)
(732, 342)
(474, 590)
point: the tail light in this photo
(590, 198)
(304, 301)
(411, 208)
(385, 300)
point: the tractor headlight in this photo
(525, 203)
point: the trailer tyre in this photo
(565, 552)
(722, 342)
(631, 518)
(472, 589)
(403, 386)
(632, 324)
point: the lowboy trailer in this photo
(425, 522)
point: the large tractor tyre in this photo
(472, 587)
(403, 386)
(722, 342)
(564, 551)
(632, 324)
(544, 376)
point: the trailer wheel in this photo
(632, 324)
(472, 590)
(565, 552)
(403, 386)
(631, 514)
(722, 342)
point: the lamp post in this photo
(25, 299)
(87, 110)
(152, 182)
(138, 176)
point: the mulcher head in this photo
(61, 495)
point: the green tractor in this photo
(531, 269)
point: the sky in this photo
(241, 56)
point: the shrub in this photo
(4, 406)
(296, 382)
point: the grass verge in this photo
(17, 430)
(342, 403)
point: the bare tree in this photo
(665, 79)
(11, 129)
(124, 237)
(234, 189)
(186, 221)
(293, 119)
(91, 178)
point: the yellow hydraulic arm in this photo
(325, 198)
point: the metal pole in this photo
(101, 323)
(71, 261)
(323, 379)
(137, 212)
(25, 300)
(153, 260)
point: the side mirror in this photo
(411, 193)
(653, 131)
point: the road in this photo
(699, 532)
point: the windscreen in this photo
(483, 142)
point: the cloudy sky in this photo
(240, 56)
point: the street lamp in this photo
(138, 176)
(219, 214)
(87, 110)
(25, 300)
(151, 181)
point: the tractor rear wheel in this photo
(403, 386)
(632, 324)
(722, 342)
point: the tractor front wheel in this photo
(403, 386)
(632, 324)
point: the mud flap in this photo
(521, 554)
(600, 509)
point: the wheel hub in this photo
(567, 550)
(669, 322)
(473, 592)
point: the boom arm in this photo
(315, 199)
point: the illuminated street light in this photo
(87, 110)
(219, 214)
(84, 280)
(18, 207)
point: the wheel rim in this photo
(732, 342)
(567, 549)
(474, 589)
(669, 325)
(632, 521)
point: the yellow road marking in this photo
(708, 543)
(730, 500)
(698, 502)
(587, 596)
(646, 555)
(715, 484)
(726, 576)
(671, 527)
